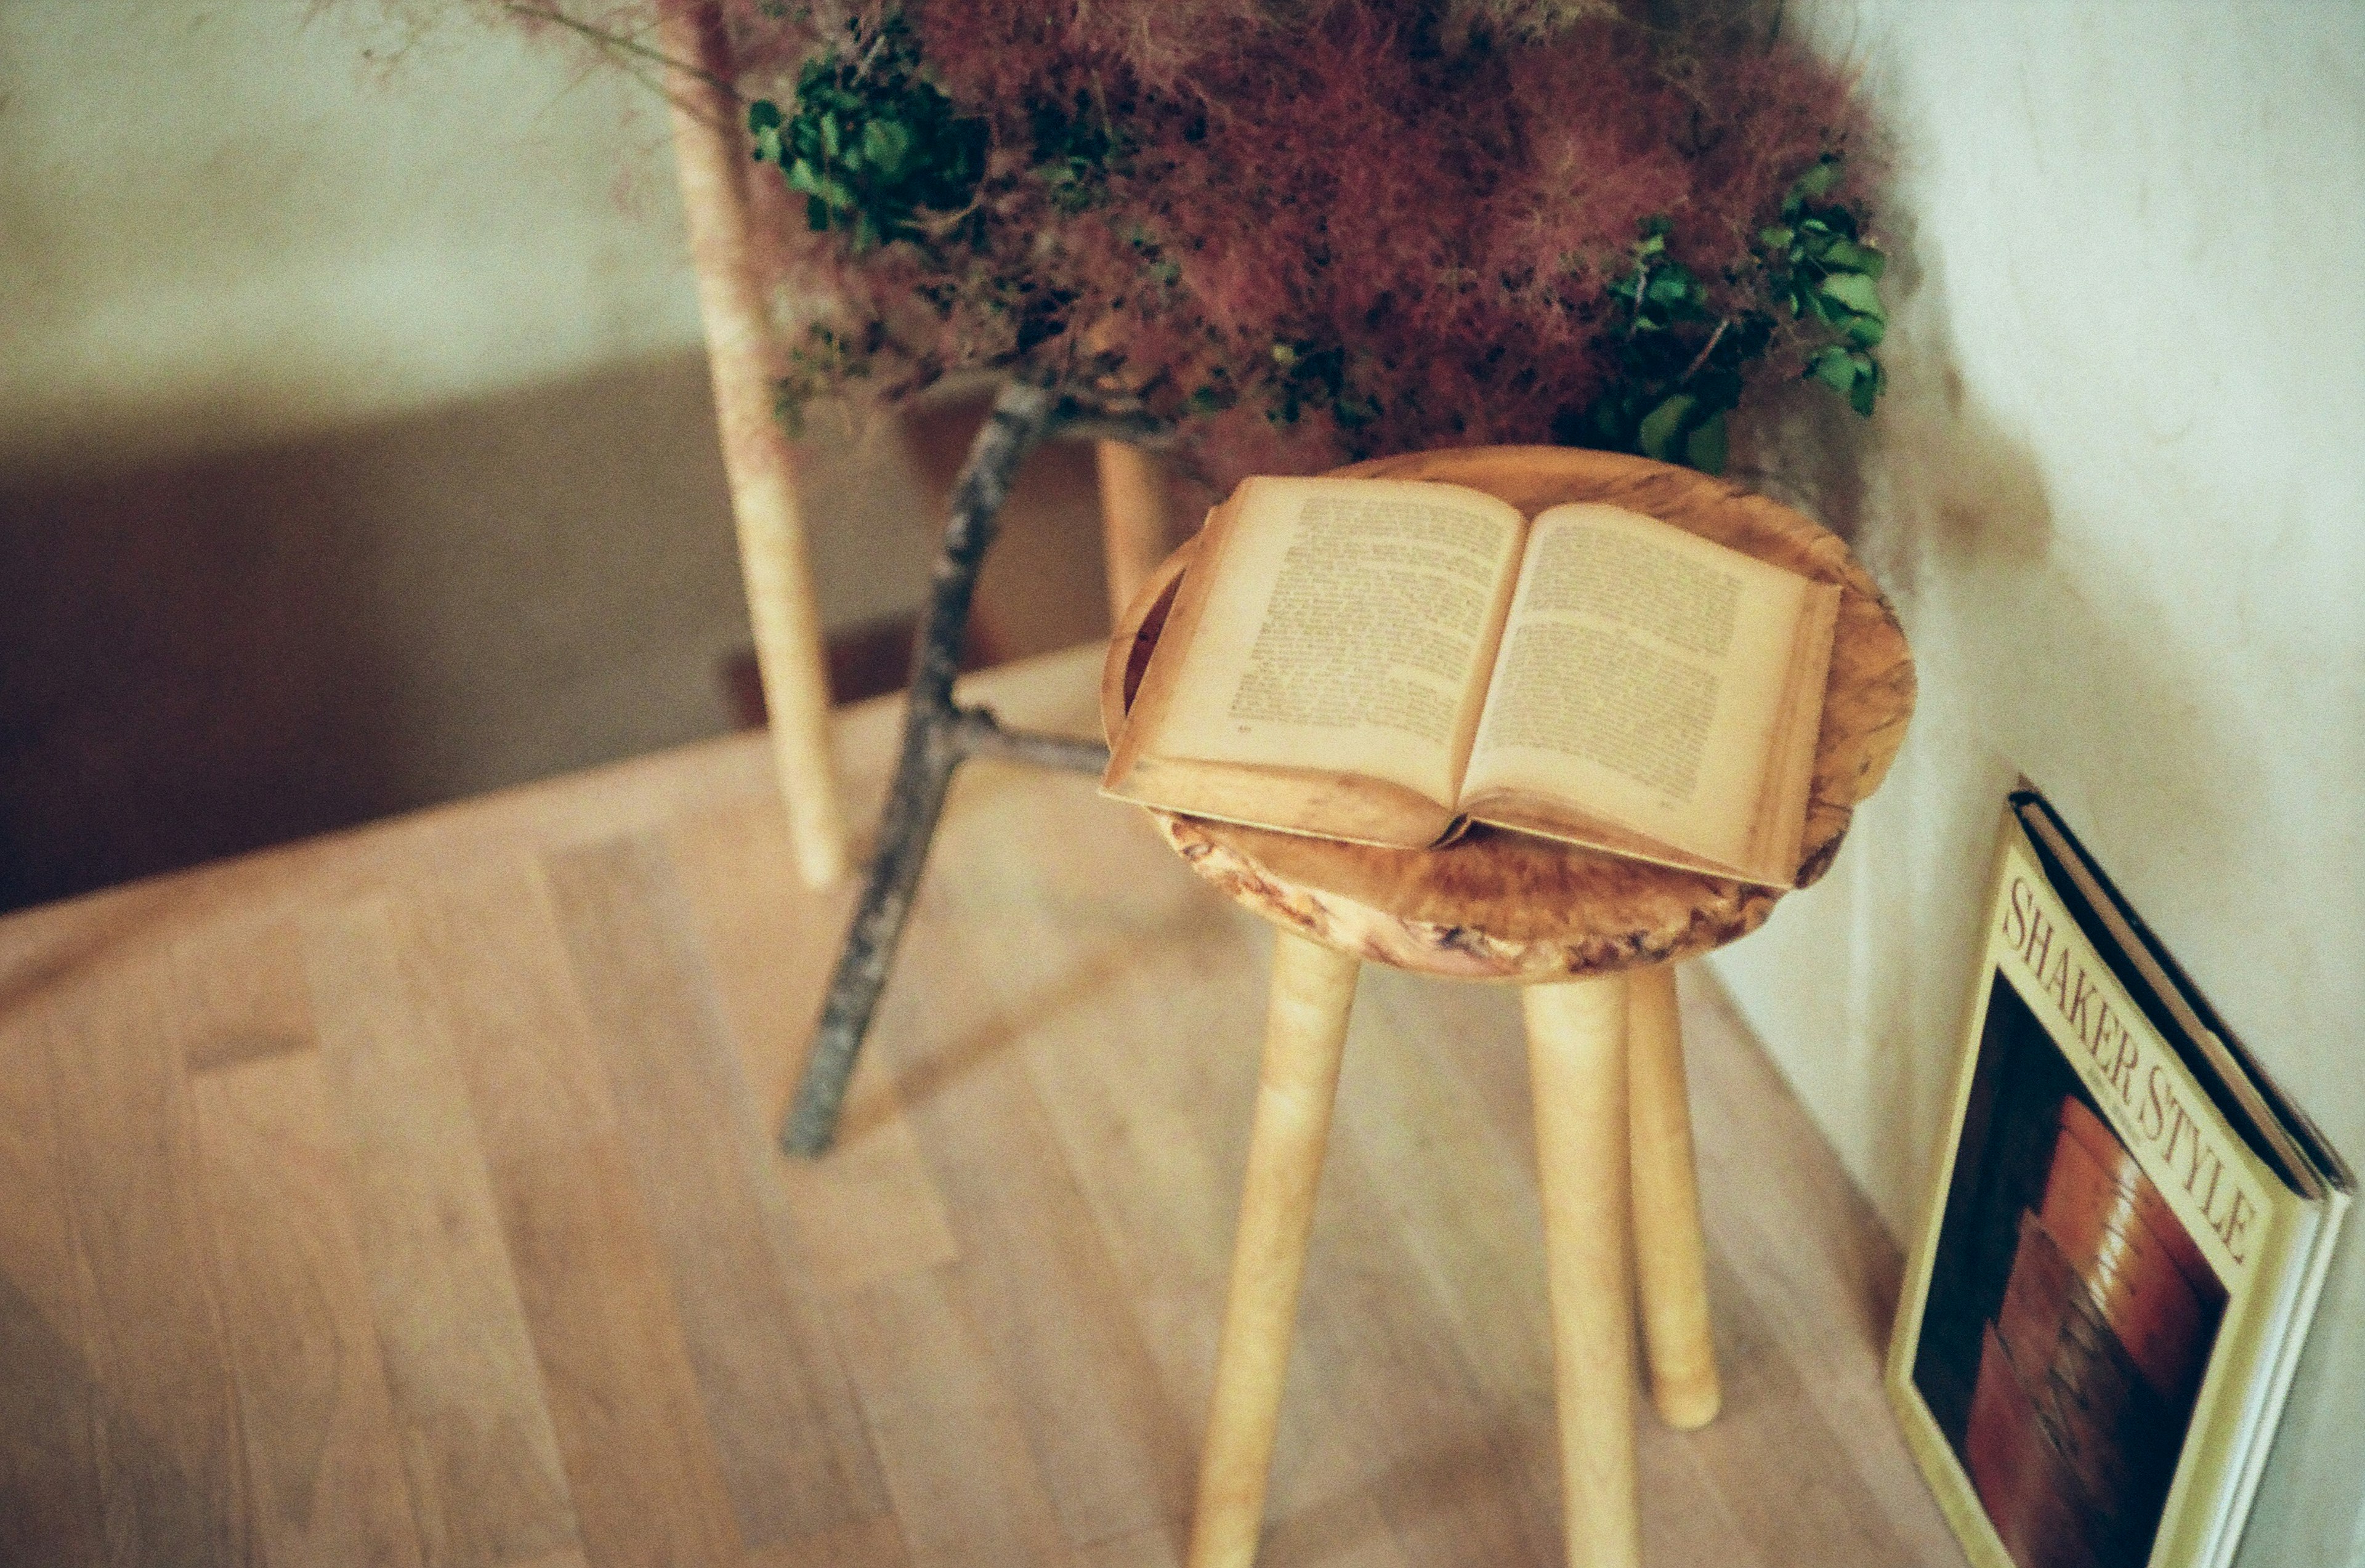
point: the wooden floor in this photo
(409, 1197)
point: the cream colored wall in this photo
(232, 225)
(354, 432)
(224, 223)
(2118, 494)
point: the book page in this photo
(1642, 677)
(1346, 627)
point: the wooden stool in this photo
(1593, 939)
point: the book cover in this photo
(2122, 1247)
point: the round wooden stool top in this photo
(1503, 905)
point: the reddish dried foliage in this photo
(1447, 204)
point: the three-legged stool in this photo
(1592, 938)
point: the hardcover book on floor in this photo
(2123, 1249)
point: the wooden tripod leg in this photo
(1576, 1050)
(757, 460)
(1306, 1034)
(1670, 1257)
(1133, 520)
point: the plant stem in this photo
(937, 735)
(620, 43)
(1706, 349)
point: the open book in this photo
(1384, 660)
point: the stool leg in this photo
(1133, 520)
(1576, 1051)
(1305, 1033)
(756, 458)
(1670, 1259)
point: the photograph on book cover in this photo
(2070, 1314)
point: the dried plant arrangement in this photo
(1293, 233)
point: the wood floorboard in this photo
(487, 1485)
(642, 1463)
(315, 1410)
(794, 1456)
(958, 1467)
(171, 1472)
(410, 1197)
(51, 1505)
(875, 1542)
(870, 1210)
(1035, 1280)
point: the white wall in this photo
(233, 223)
(229, 222)
(2118, 494)
(358, 366)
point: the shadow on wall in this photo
(2034, 645)
(2039, 652)
(181, 664)
(210, 655)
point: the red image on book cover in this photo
(2072, 1314)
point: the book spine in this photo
(2288, 1330)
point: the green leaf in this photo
(1661, 427)
(1854, 290)
(1830, 366)
(763, 115)
(1775, 238)
(1673, 286)
(1817, 182)
(885, 144)
(830, 136)
(1866, 332)
(1849, 256)
(1704, 449)
(1868, 383)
